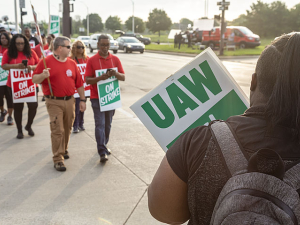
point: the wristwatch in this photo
(83, 100)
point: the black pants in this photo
(18, 111)
(6, 91)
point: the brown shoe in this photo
(66, 156)
(60, 166)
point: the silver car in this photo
(130, 44)
(94, 40)
(84, 39)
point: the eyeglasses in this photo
(67, 46)
(104, 45)
(20, 43)
(79, 47)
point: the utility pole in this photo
(132, 16)
(223, 6)
(66, 19)
(22, 5)
(16, 17)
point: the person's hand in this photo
(29, 69)
(46, 73)
(82, 106)
(112, 73)
(20, 66)
(104, 76)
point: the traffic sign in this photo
(22, 4)
(223, 3)
(223, 8)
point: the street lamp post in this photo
(87, 19)
(132, 16)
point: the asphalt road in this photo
(88, 193)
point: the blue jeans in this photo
(102, 126)
(78, 122)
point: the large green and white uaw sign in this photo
(109, 92)
(200, 92)
(54, 25)
(3, 74)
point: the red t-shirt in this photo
(2, 50)
(38, 51)
(32, 61)
(64, 76)
(46, 46)
(80, 61)
(97, 62)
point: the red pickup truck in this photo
(243, 37)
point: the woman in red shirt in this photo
(78, 54)
(19, 49)
(4, 43)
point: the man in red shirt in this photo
(64, 78)
(102, 60)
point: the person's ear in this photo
(253, 82)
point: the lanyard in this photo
(112, 63)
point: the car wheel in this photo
(142, 52)
(115, 51)
(242, 45)
(91, 50)
(211, 45)
(125, 49)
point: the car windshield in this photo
(245, 31)
(131, 40)
(85, 38)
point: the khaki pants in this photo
(61, 115)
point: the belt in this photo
(59, 98)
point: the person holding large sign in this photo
(195, 168)
(78, 54)
(21, 61)
(103, 60)
(64, 78)
(4, 91)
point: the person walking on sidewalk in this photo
(102, 60)
(64, 78)
(78, 54)
(19, 50)
(4, 91)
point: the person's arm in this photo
(31, 68)
(39, 78)
(82, 105)
(13, 66)
(94, 80)
(167, 196)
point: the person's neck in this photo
(103, 55)
(59, 57)
(78, 56)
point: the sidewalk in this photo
(34, 193)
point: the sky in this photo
(175, 9)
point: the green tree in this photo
(113, 23)
(139, 25)
(76, 24)
(158, 20)
(294, 19)
(95, 23)
(184, 22)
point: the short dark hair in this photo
(59, 41)
(7, 37)
(102, 36)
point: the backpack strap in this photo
(234, 157)
(292, 177)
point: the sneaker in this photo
(43, 99)
(103, 158)
(30, 131)
(20, 135)
(108, 151)
(2, 116)
(75, 130)
(81, 128)
(10, 120)
(60, 166)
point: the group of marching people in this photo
(14, 48)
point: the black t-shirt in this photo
(35, 40)
(187, 153)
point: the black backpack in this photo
(260, 191)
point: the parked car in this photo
(130, 44)
(243, 37)
(84, 39)
(94, 40)
(140, 37)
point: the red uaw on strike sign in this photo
(23, 89)
(87, 87)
